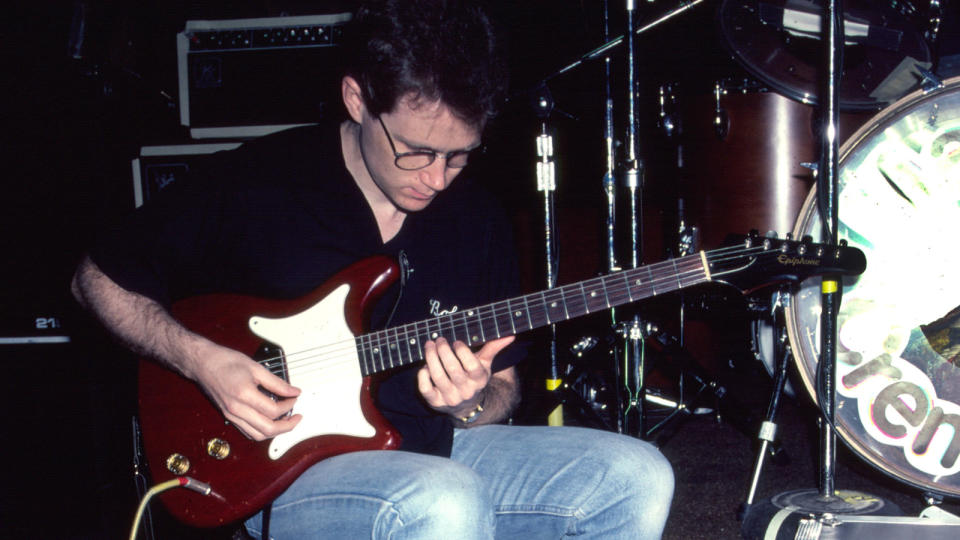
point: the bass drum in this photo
(898, 358)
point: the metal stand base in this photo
(850, 515)
(842, 502)
(790, 514)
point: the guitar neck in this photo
(403, 345)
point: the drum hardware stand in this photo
(825, 501)
(634, 414)
(930, 81)
(616, 42)
(547, 183)
(723, 405)
(768, 429)
(830, 288)
(633, 181)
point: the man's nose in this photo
(434, 175)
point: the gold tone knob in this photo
(178, 464)
(218, 448)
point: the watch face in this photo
(898, 340)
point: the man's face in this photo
(414, 126)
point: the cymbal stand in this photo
(833, 26)
(825, 501)
(609, 177)
(634, 361)
(547, 183)
(610, 190)
(634, 169)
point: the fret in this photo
(433, 328)
(595, 301)
(517, 316)
(556, 308)
(676, 274)
(420, 334)
(371, 359)
(489, 317)
(407, 341)
(362, 354)
(501, 314)
(606, 293)
(536, 310)
(376, 353)
(392, 348)
(526, 310)
(652, 282)
(385, 348)
(452, 336)
(583, 295)
(479, 321)
(634, 285)
(623, 288)
(382, 351)
(473, 327)
(573, 301)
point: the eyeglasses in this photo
(418, 159)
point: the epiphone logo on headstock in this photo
(797, 261)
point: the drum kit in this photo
(745, 157)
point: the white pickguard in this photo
(322, 362)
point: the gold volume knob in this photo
(178, 464)
(218, 448)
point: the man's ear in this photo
(353, 98)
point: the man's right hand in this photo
(230, 378)
(234, 382)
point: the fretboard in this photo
(403, 345)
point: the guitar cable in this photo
(183, 481)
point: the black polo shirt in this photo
(280, 215)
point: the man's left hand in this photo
(454, 376)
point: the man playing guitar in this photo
(279, 216)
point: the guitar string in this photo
(498, 308)
(344, 351)
(333, 354)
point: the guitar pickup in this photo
(272, 357)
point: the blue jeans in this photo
(502, 482)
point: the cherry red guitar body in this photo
(182, 427)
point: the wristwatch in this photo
(474, 414)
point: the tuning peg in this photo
(789, 237)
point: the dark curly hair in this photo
(434, 49)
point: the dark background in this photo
(77, 105)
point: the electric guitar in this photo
(318, 344)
